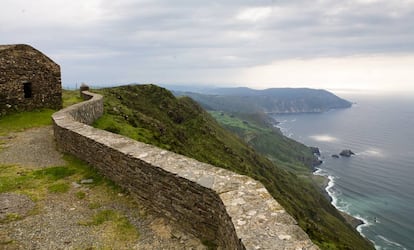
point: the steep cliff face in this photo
(276, 100)
(153, 115)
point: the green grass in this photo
(101, 217)
(9, 218)
(94, 205)
(20, 121)
(70, 97)
(259, 133)
(232, 121)
(153, 115)
(58, 188)
(123, 229)
(37, 182)
(55, 173)
(80, 195)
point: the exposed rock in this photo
(354, 222)
(316, 162)
(346, 153)
(315, 151)
(335, 156)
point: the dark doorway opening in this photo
(27, 87)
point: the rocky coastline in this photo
(323, 182)
(323, 185)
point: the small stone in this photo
(76, 185)
(241, 222)
(143, 155)
(346, 153)
(238, 201)
(285, 237)
(251, 212)
(86, 181)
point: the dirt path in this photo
(66, 220)
(33, 148)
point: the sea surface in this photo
(377, 184)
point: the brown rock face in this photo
(28, 80)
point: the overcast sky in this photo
(343, 44)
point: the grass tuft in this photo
(59, 188)
(80, 195)
(94, 205)
(123, 228)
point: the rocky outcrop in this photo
(346, 153)
(315, 151)
(230, 210)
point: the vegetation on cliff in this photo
(153, 115)
(258, 131)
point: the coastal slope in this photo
(154, 115)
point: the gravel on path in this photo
(33, 148)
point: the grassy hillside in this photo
(153, 115)
(258, 132)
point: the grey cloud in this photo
(131, 39)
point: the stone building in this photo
(28, 80)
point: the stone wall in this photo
(22, 65)
(219, 206)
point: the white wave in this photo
(341, 206)
(324, 138)
(331, 183)
(320, 172)
(366, 222)
(391, 243)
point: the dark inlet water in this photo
(377, 184)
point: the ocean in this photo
(376, 184)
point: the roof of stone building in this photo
(3, 47)
(30, 51)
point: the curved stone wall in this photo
(217, 205)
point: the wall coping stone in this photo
(259, 221)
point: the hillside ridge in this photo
(273, 100)
(153, 115)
